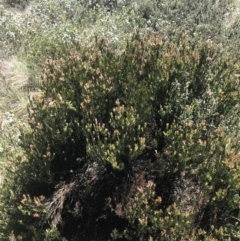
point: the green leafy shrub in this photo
(138, 143)
(137, 139)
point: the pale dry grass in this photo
(14, 77)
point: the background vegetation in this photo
(119, 120)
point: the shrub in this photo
(138, 143)
(48, 25)
(133, 139)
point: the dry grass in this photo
(13, 95)
(14, 77)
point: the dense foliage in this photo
(134, 131)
